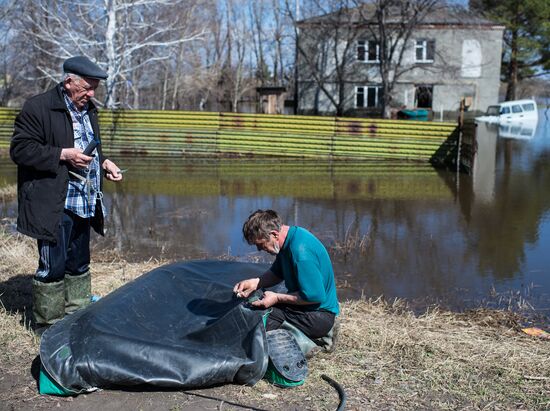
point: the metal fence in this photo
(178, 133)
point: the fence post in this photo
(459, 141)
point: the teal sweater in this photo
(304, 264)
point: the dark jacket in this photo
(42, 129)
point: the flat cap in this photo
(84, 67)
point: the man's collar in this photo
(71, 106)
(289, 234)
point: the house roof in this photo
(439, 15)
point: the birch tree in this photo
(128, 38)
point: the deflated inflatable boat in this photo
(178, 326)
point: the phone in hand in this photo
(90, 147)
(255, 296)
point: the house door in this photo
(424, 96)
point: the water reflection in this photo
(393, 229)
(519, 130)
(196, 208)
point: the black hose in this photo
(337, 387)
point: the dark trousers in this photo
(69, 254)
(314, 324)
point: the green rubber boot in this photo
(78, 290)
(48, 302)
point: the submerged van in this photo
(512, 111)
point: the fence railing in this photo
(178, 133)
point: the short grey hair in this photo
(71, 75)
(259, 225)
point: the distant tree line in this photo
(159, 54)
(212, 54)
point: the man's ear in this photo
(67, 82)
(274, 233)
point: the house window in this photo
(367, 96)
(361, 51)
(368, 51)
(424, 50)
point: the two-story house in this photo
(447, 54)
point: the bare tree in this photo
(158, 53)
(390, 23)
(326, 49)
(124, 36)
(378, 32)
(237, 75)
(271, 32)
(257, 15)
(282, 32)
(10, 51)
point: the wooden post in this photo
(459, 142)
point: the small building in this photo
(271, 99)
(449, 54)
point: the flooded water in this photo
(400, 230)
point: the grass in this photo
(8, 192)
(386, 358)
(354, 243)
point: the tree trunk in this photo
(110, 34)
(513, 69)
(164, 89)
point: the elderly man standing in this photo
(303, 263)
(59, 187)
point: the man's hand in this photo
(75, 158)
(270, 299)
(111, 171)
(246, 287)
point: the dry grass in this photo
(18, 253)
(8, 192)
(354, 243)
(387, 358)
(439, 360)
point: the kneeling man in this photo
(303, 263)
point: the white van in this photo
(512, 111)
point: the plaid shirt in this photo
(82, 195)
